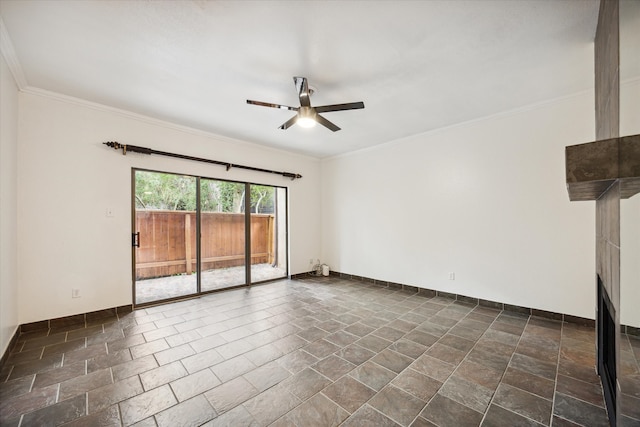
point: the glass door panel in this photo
(164, 236)
(222, 239)
(268, 233)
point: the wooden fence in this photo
(168, 241)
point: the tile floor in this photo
(312, 352)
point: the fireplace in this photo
(607, 350)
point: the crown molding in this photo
(9, 54)
(30, 90)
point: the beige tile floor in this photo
(312, 352)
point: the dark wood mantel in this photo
(593, 167)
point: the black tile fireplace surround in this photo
(606, 333)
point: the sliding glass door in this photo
(223, 261)
(164, 236)
(268, 233)
(193, 235)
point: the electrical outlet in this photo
(452, 276)
(75, 293)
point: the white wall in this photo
(68, 178)
(486, 200)
(8, 195)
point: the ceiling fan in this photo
(307, 115)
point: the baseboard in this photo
(516, 309)
(10, 347)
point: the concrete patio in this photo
(162, 288)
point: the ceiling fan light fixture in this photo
(306, 117)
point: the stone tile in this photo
(457, 342)
(398, 405)
(388, 333)
(319, 411)
(192, 412)
(103, 397)
(267, 376)
(579, 412)
(55, 376)
(134, 367)
(434, 368)
(127, 342)
(529, 382)
(173, 354)
(355, 354)
(366, 416)
(417, 384)
(306, 383)
(489, 359)
(18, 387)
(83, 354)
(466, 392)
(148, 348)
(321, 348)
(206, 343)
(408, 348)
(36, 366)
(191, 385)
(588, 392)
(446, 354)
(445, 412)
(238, 416)
(62, 412)
(333, 367)
(523, 403)
(109, 417)
(373, 343)
(342, 338)
(64, 347)
(359, 329)
(312, 334)
(264, 354)
(108, 360)
(348, 393)
(500, 417)
(392, 360)
(271, 405)
(162, 375)
(146, 404)
(205, 359)
(372, 375)
(479, 374)
(421, 337)
(13, 407)
(230, 394)
(297, 361)
(534, 366)
(84, 383)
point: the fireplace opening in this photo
(607, 350)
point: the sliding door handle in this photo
(135, 239)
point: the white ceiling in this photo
(417, 65)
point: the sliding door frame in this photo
(198, 215)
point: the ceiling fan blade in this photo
(303, 91)
(289, 123)
(339, 107)
(268, 104)
(326, 123)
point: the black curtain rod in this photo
(144, 150)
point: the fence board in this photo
(168, 241)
